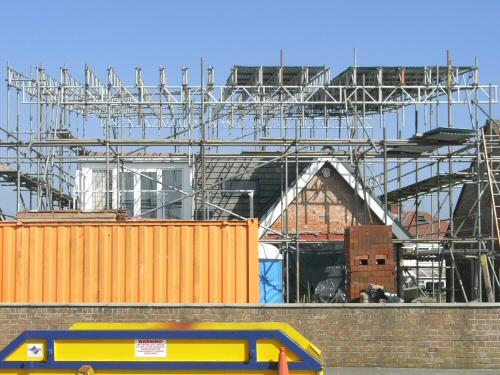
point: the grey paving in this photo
(405, 371)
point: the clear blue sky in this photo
(127, 34)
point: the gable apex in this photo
(324, 168)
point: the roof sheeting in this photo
(397, 75)
(273, 75)
(434, 139)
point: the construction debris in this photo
(378, 294)
(71, 215)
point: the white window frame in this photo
(84, 192)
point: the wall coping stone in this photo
(461, 305)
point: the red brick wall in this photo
(326, 206)
(369, 258)
(447, 336)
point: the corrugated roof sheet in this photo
(436, 139)
(249, 75)
(390, 75)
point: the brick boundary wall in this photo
(448, 336)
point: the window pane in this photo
(98, 190)
(171, 180)
(148, 194)
(128, 199)
(110, 190)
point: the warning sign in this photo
(150, 348)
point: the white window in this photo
(141, 190)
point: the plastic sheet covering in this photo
(333, 288)
(322, 272)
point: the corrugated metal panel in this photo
(137, 262)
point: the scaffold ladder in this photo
(491, 151)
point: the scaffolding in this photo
(411, 134)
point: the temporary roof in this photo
(397, 75)
(387, 84)
(270, 75)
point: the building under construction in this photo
(413, 145)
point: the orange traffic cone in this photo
(282, 363)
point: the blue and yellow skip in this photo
(204, 348)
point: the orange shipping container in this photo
(130, 261)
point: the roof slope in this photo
(264, 173)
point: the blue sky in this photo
(126, 34)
